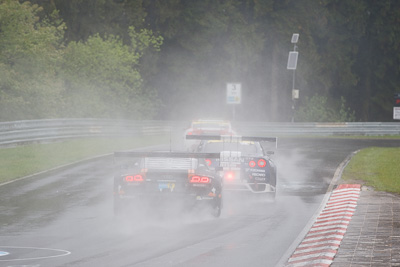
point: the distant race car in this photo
(163, 178)
(246, 166)
(206, 127)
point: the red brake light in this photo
(252, 163)
(195, 179)
(189, 133)
(208, 161)
(129, 178)
(134, 178)
(138, 178)
(262, 163)
(229, 175)
(200, 179)
(204, 180)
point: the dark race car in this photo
(247, 167)
(166, 178)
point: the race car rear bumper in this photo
(169, 198)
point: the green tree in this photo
(345, 112)
(377, 62)
(85, 18)
(207, 44)
(318, 109)
(103, 80)
(29, 52)
(346, 49)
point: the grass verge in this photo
(375, 167)
(21, 161)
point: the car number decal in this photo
(166, 186)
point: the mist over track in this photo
(66, 218)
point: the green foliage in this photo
(42, 78)
(314, 110)
(85, 18)
(29, 53)
(207, 44)
(103, 78)
(317, 109)
(143, 40)
(378, 61)
(345, 113)
(23, 36)
(106, 58)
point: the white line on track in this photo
(60, 251)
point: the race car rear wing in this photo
(233, 138)
(160, 159)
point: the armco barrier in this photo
(321, 129)
(21, 132)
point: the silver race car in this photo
(247, 167)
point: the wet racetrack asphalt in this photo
(65, 218)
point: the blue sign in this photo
(233, 93)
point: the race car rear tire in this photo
(216, 210)
(271, 196)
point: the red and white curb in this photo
(321, 243)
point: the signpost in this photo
(233, 95)
(396, 113)
(396, 107)
(292, 65)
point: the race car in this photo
(247, 167)
(166, 178)
(206, 127)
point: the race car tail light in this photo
(208, 161)
(252, 163)
(200, 179)
(261, 163)
(134, 178)
(229, 175)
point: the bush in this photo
(317, 109)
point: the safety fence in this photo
(36, 131)
(322, 129)
(48, 130)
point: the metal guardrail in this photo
(321, 129)
(21, 132)
(36, 131)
